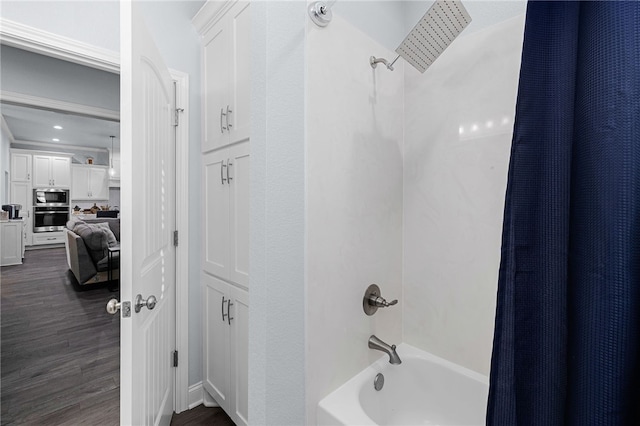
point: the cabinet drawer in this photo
(48, 238)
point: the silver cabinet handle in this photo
(150, 303)
(28, 176)
(229, 305)
(222, 167)
(227, 115)
(222, 128)
(229, 177)
(223, 314)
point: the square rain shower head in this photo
(437, 29)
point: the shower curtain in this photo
(566, 346)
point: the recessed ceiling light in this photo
(55, 140)
(57, 127)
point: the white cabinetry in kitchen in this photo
(89, 183)
(20, 167)
(51, 171)
(12, 242)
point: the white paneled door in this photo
(148, 221)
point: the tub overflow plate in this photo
(378, 382)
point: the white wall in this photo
(277, 314)
(354, 203)
(458, 123)
(38, 75)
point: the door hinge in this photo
(175, 358)
(175, 238)
(176, 117)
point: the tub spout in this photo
(379, 345)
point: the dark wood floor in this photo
(60, 350)
(201, 416)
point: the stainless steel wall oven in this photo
(50, 210)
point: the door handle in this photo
(113, 306)
(229, 177)
(150, 303)
(222, 167)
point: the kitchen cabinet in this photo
(20, 167)
(89, 183)
(22, 193)
(51, 171)
(226, 346)
(226, 58)
(11, 239)
(226, 214)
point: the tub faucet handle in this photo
(373, 300)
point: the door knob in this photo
(113, 306)
(150, 303)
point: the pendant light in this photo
(112, 171)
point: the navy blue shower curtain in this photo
(566, 347)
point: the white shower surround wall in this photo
(397, 196)
(458, 127)
(354, 204)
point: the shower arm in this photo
(373, 61)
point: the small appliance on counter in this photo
(13, 210)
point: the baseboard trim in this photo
(199, 396)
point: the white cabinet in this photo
(12, 243)
(51, 171)
(20, 167)
(226, 346)
(89, 183)
(226, 58)
(226, 214)
(44, 238)
(22, 193)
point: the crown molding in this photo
(53, 146)
(24, 37)
(21, 99)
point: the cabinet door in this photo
(22, 194)
(61, 172)
(79, 183)
(215, 253)
(98, 184)
(42, 171)
(239, 186)
(240, 356)
(240, 64)
(216, 340)
(21, 167)
(215, 57)
(11, 243)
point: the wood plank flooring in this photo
(60, 350)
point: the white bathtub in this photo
(423, 390)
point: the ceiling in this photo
(36, 125)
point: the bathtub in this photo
(423, 390)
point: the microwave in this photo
(51, 197)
